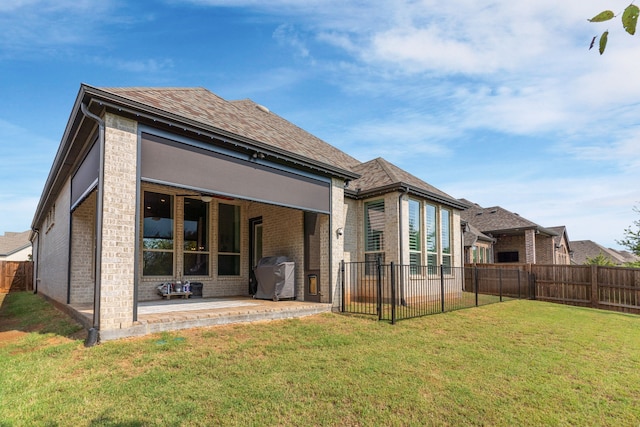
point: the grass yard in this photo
(514, 363)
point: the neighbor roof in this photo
(473, 235)
(11, 243)
(497, 220)
(585, 249)
(243, 118)
(380, 176)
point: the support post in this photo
(442, 286)
(342, 283)
(595, 299)
(379, 286)
(393, 294)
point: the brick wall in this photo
(118, 227)
(283, 235)
(53, 241)
(83, 251)
(544, 249)
(337, 243)
(510, 244)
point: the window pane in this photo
(229, 228)
(445, 221)
(157, 232)
(446, 264)
(196, 229)
(414, 225)
(432, 263)
(432, 233)
(414, 261)
(158, 221)
(374, 225)
(229, 265)
(196, 264)
(157, 263)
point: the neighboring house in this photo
(478, 247)
(584, 250)
(155, 184)
(15, 246)
(517, 240)
(562, 247)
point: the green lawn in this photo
(513, 363)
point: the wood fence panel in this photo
(619, 288)
(16, 276)
(610, 288)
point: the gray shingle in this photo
(243, 118)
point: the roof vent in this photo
(262, 108)
(494, 211)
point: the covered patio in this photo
(163, 315)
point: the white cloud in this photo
(139, 65)
(286, 34)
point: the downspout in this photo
(92, 338)
(401, 241)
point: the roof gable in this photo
(498, 219)
(379, 175)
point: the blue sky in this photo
(498, 102)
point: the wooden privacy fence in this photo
(16, 276)
(608, 288)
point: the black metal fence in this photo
(394, 292)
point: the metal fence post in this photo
(393, 293)
(518, 284)
(342, 280)
(379, 286)
(442, 286)
(500, 283)
(476, 282)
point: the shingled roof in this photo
(497, 220)
(379, 176)
(244, 118)
(11, 242)
(586, 249)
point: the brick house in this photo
(156, 184)
(517, 239)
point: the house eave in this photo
(99, 100)
(519, 230)
(137, 110)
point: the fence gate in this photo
(16, 276)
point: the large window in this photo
(374, 223)
(157, 242)
(415, 242)
(228, 240)
(445, 238)
(431, 238)
(196, 237)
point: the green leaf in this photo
(603, 41)
(630, 18)
(602, 16)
